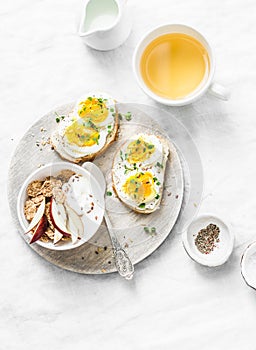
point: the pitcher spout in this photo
(86, 34)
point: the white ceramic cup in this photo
(208, 85)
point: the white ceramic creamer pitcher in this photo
(105, 24)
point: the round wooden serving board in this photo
(96, 256)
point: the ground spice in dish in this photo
(207, 238)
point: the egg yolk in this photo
(139, 150)
(140, 187)
(82, 136)
(94, 109)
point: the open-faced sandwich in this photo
(138, 172)
(88, 130)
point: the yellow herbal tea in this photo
(174, 65)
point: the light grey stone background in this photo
(172, 302)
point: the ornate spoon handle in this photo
(123, 263)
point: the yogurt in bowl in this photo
(60, 206)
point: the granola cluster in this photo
(38, 190)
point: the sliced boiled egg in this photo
(98, 108)
(143, 150)
(140, 187)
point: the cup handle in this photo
(219, 91)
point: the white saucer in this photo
(223, 248)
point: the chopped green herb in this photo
(150, 230)
(89, 98)
(158, 183)
(59, 117)
(112, 110)
(119, 116)
(109, 193)
(90, 124)
(138, 141)
(142, 205)
(128, 169)
(121, 155)
(159, 165)
(154, 178)
(150, 146)
(128, 116)
(95, 139)
(157, 196)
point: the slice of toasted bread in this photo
(117, 182)
(58, 145)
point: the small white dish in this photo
(248, 265)
(53, 169)
(220, 253)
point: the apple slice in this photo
(57, 236)
(74, 224)
(59, 217)
(76, 218)
(37, 217)
(73, 229)
(40, 230)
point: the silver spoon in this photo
(123, 263)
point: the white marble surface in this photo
(172, 303)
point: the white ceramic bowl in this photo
(248, 265)
(222, 251)
(167, 29)
(52, 169)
